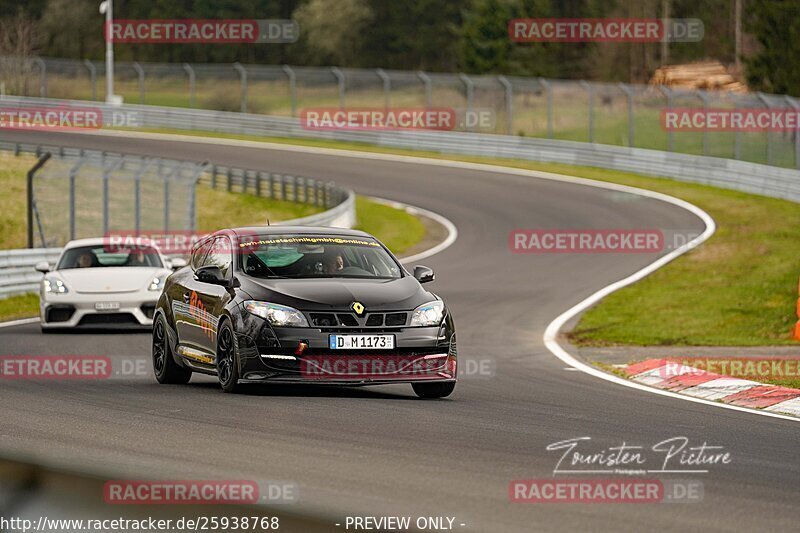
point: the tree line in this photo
(436, 35)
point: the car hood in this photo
(338, 294)
(109, 279)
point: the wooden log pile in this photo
(710, 75)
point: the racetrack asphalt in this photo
(380, 451)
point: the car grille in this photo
(108, 318)
(344, 321)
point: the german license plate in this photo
(107, 306)
(361, 342)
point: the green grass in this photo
(220, 209)
(13, 221)
(22, 306)
(395, 228)
(738, 289)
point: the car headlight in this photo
(277, 315)
(54, 286)
(429, 314)
(157, 283)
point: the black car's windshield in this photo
(102, 256)
(316, 256)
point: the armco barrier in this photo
(17, 275)
(726, 173)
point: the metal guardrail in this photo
(578, 110)
(728, 173)
(17, 275)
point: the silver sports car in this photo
(96, 285)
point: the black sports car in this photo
(302, 304)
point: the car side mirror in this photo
(423, 274)
(43, 267)
(177, 262)
(213, 275)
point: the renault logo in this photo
(358, 308)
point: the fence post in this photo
(283, 187)
(138, 194)
(548, 87)
(668, 95)
(509, 97)
(426, 80)
(271, 185)
(292, 87)
(243, 77)
(704, 98)
(795, 106)
(470, 88)
(31, 206)
(761, 96)
(73, 173)
(629, 96)
(190, 71)
(259, 177)
(230, 180)
(92, 77)
(140, 74)
(42, 76)
(106, 174)
(387, 86)
(340, 81)
(590, 92)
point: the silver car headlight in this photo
(429, 314)
(54, 286)
(157, 283)
(277, 315)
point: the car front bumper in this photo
(134, 310)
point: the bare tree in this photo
(18, 44)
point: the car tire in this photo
(167, 371)
(227, 359)
(434, 390)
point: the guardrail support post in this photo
(31, 206)
(292, 87)
(243, 77)
(387, 86)
(426, 81)
(140, 74)
(340, 81)
(92, 77)
(192, 82)
(548, 87)
(509, 98)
